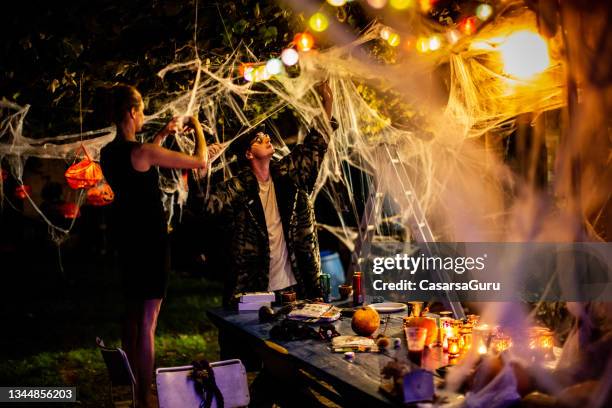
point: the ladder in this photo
(417, 222)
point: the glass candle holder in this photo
(465, 339)
(453, 346)
(500, 343)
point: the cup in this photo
(345, 291)
(415, 309)
(415, 337)
(288, 296)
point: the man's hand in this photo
(214, 150)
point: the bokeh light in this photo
(484, 11)
(394, 39)
(289, 56)
(337, 3)
(401, 4)
(304, 41)
(318, 22)
(385, 32)
(524, 54)
(435, 42)
(274, 66)
(377, 4)
(422, 45)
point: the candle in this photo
(453, 346)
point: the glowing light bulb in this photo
(247, 72)
(524, 54)
(426, 5)
(318, 22)
(401, 4)
(274, 66)
(435, 42)
(260, 74)
(468, 26)
(289, 56)
(422, 45)
(484, 11)
(337, 3)
(377, 4)
(453, 36)
(304, 41)
(394, 39)
(385, 32)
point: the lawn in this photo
(51, 320)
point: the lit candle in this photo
(453, 346)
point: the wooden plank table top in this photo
(354, 381)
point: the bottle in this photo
(357, 289)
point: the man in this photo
(267, 217)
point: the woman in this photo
(140, 222)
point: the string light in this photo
(453, 36)
(377, 4)
(422, 45)
(468, 25)
(289, 56)
(247, 72)
(394, 39)
(426, 5)
(274, 66)
(318, 22)
(401, 4)
(524, 54)
(304, 41)
(484, 11)
(435, 42)
(385, 32)
(337, 3)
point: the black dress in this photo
(139, 222)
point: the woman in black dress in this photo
(140, 222)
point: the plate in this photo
(389, 307)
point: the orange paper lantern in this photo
(70, 210)
(100, 195)
(84, 174)
(21, 192)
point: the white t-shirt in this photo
(281, 275)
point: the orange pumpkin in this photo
(365, 321)
(426, 323)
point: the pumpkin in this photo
(426, 323)
(100, 195)
(365, 321)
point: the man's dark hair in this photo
(241, 145)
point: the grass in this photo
(52, 322)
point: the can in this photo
(325, 281)
(357, 289)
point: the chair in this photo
(119, 370)
(176, 390)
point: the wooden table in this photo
(345, 383)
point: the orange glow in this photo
(100, 195)
(21, 192)
(468, 26)
(304, 41)
(84, 174)
(70, 210)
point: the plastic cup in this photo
(415, 337)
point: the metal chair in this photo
(119, 370)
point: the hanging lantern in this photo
(84, 174)
(304, 41)
(289, 56)
(22, 191)
(318, 22)
(100, 195)
(69, 210)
